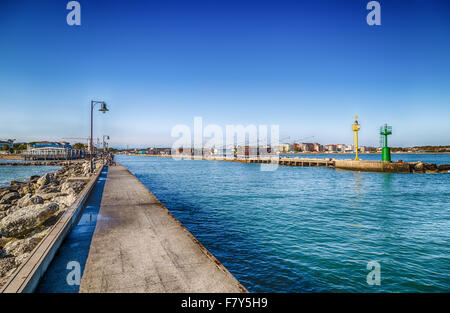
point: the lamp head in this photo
(103, 107)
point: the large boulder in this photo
(6, 264)
(419, 167)
(50, 196)
(65, 200)
(73, 187)
(28, 188)
(9, 197)
(17, 183)
(4, 207)
(431, 167)
(45, 180)
(86, 168)
(48, 188)
(29, 199)
(22, 246)
(34, 178)
(4, 191)
(443, 167)
(24, 220)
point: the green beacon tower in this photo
(386, 151)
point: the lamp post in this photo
(356, 127)
(103, 109)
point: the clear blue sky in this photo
(308, 66)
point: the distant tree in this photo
(79, 146)
(19, 147)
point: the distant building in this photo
(331, 148)
(365, 149)
(224, 152)
(184, 151)
(284, 147)
(48, 150)
(349, 148)
(304, 147)
(340, 147)
(318, 147)
(47, 144)
(53, 153)
(159, 151)
(308, 147)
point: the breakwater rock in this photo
(422, 167)
(40, 163)
(29, 209)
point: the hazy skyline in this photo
(308, 66)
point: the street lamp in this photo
(102, 109)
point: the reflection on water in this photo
(310, 229)
(22, 173)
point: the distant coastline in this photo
(361, 153)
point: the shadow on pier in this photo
(76, 246)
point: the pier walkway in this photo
(138, 246)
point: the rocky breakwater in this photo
(422, 167)
(29, 209)
(39, 163)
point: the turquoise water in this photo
(438, 158)
(22, 173)
(310, 229)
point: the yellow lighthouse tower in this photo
(356, 127)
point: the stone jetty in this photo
(29, 209)
(139, 246)
(41, 163)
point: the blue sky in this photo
(307, 66)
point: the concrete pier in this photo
(373, 166)
(139, 246)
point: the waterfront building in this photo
(185, 151)
(318, 147)
(47, 144)
(53, 153)
(46, 150)
(224, 152)
(331, 148)
(284, 147)
(340, 147)
(247, 151)
(308, 147)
